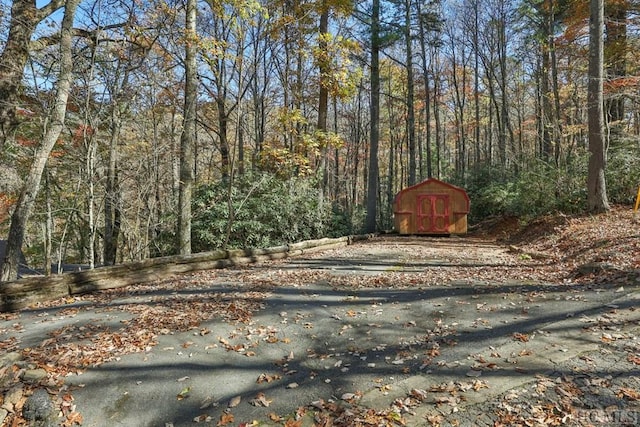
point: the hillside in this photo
(601, 248)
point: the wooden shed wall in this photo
(406, 207)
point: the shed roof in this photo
(431, 182)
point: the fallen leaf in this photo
(225, 418)
(633, 358)
(520, 337)
(419, 394)
(629, 393)
(349, 396)
(274, 417)
(184, 393)
(448, 400)
(435, 419)
(235, 401)
(204, 418)
(266, 378)
(72, 419)
(260, 400)
(318, 404)
(207, 402)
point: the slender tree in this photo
(31, 186)
(597, 200)
(616, 49)
(411, 118)
(187, 140)
(429, 24)
(25, 16)
(372, 180)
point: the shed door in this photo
(432, 214)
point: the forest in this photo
(134, 129)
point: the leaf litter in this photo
(591, 252)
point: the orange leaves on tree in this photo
(25, 142)
(622, 84)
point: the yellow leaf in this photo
(184, 393)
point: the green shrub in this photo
(345, 223)
(623, 172)
(257, 211)
(537, 189)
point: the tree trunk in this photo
(546, 114)
(323, 98)
(52, 131)
(372, 181)
(411, 118)
(240, 145)
(24, 18)
(557, 128)
(616, 50)
(48, 227)
(596, 184)
(476, 79)
(427, 95)
(112, 195)
(459, 82)
(223, 133)
(436, 116)
(187, 139)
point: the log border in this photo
(28, 291)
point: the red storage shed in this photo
(431, 207)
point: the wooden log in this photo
(324, 247)
(28, 291)
(134, 273)
(318, 242)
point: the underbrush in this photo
(540, 188)
(258, 211)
